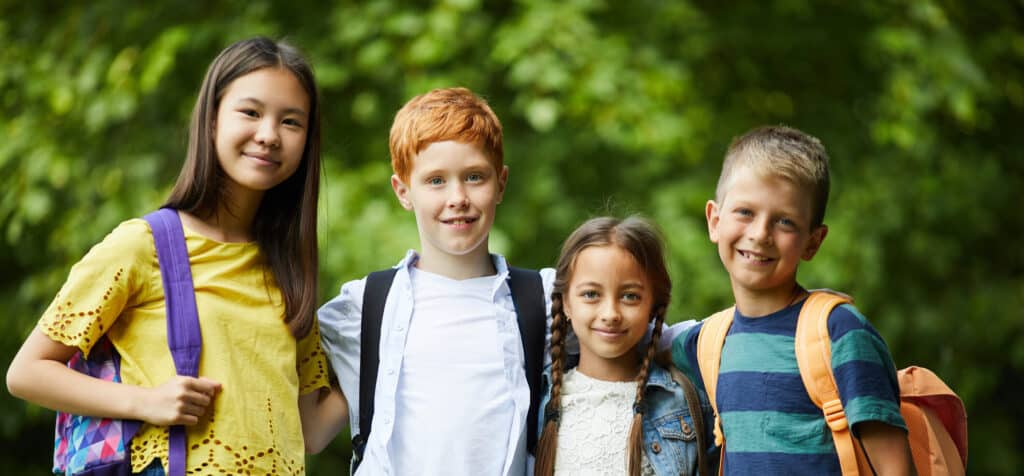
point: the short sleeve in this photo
(311, 362)
(108, 279)
(863, 368)
(684, 354)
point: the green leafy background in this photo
(608, 107)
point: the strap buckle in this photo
(835, 417)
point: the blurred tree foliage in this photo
(607, 106)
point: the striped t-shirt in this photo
(768, 420)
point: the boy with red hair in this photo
(450, 395)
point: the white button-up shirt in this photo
(340, 327)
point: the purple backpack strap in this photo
(183, 335)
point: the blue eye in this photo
(474, 177)
(435, 181)
(787, 222)
(631, 297)
(744, 212)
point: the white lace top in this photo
(595, 420)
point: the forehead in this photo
(450, 155)
(765, 188)
(606, 264)
(276, 87)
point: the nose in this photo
(609, 311)
(267, 135)
(760, 230)
(458, 198)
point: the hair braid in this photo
(548, 443)
(634, 446)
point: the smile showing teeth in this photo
(459, 221)
(754, 257)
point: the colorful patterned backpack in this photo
(91, 446)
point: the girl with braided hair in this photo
(616, 411)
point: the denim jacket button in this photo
(685, 427)
(655, 447)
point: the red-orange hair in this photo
(455, 114)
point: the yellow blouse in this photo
(254, 426)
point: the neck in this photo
(230, 222)
(624, 369)
(471, 265)
(759, 304)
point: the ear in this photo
(712, 214)
(814, 242)
(502, 181)
(401, 191)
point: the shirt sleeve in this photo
(108, 279)
(684, 354)
(863, 368)
(311, 362)
(340, 332)
(669, 333)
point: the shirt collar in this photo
(500, 264)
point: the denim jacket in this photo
(670, 439)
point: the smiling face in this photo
(609, 300)
(260, 130)
(763, 229)
(453, 189)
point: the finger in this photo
(193, 410)
(187, 420)
(197, 398)
(210, 387)
(202, 385)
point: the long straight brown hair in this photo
(640, 239)
(287, 240)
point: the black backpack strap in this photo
(531, 315)
(375, 295)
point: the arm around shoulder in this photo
(340, 321)
(323, 415)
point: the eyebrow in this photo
(629, 285)
(290, 110)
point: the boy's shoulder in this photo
(846, 318)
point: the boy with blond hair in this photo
(767, 215)
(453, 385)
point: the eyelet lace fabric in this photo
(594, 427)
(253, 426)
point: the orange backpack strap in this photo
(709, 357)
(814, 358)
